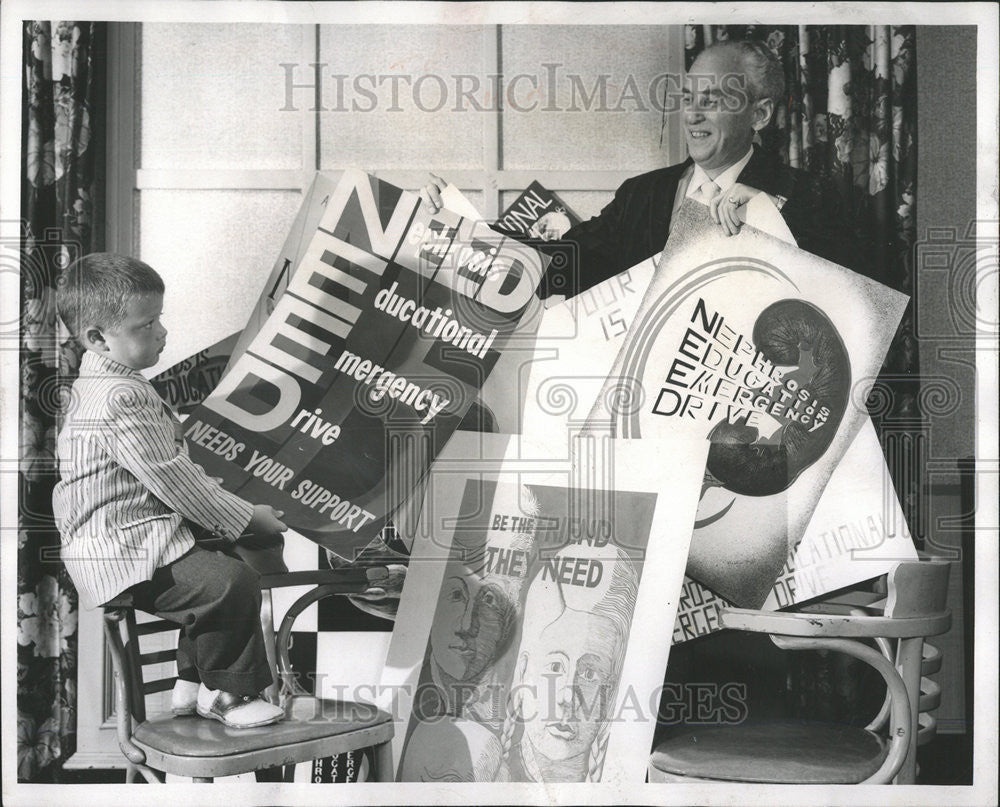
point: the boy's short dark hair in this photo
(95, 289)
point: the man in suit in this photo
(730, 94)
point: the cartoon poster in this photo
(768, 351)
(388, 327)
(523, 649)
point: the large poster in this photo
(524, 647)
(389, 325)
(768, 351)
(856, 533)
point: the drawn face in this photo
(719, 118)
(570, 670)
(472, 620)
(139, 339)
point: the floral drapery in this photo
(62, 171)
(850, 113)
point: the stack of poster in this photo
(568, 373)
(337, 401)
(770, 353)
(551, 388)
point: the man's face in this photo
(469, 624)
(570, 671)
(139, 339)
(718, 113)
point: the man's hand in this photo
(265, 521)
(430, 194)
(727, 208)
(550, 227)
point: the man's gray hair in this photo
(765, 76)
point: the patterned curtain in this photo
(851, 115)
(62, 179)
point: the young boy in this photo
(130, 500)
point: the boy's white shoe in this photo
(184, 698)
(237, 711)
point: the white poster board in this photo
(525, 649)
(770, 352)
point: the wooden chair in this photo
(913, 607)
(155, 744)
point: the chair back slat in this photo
(136, 660)
(930, 695)
(927, 728)
(160, 626)
(158, 657)
(931, 659)
(159, 685)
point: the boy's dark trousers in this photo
(215, 598)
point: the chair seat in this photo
(196, 746)
(803, 753)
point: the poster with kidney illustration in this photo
(770, 352)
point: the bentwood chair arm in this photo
(901, 726)
(840, 632)
(327, 582)
(350, 580)
(833, 625)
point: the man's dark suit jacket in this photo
(634, 226)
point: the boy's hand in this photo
(430, 194)
(261, 546)
(265, 521)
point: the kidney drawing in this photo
(794, 418)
